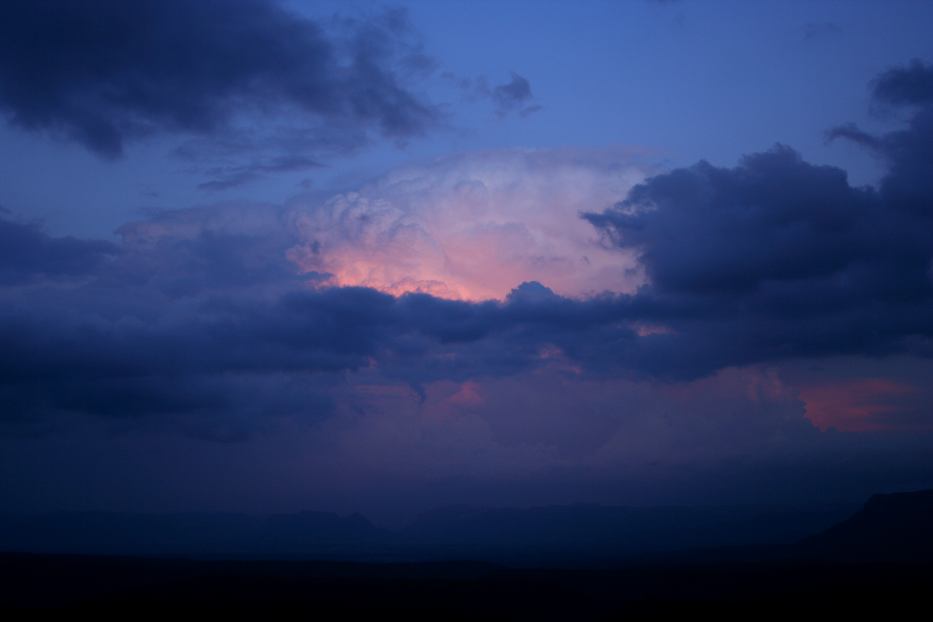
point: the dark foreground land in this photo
(878, 561)
(146, 584)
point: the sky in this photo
(363, 257)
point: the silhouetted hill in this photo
(822, 573)
(593, 534)
(567, 535)
(305, 534)
(889, 527)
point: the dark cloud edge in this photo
(106, 73)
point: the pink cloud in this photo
(467, 395)
(473, 227)
(859, 404)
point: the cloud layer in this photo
(503, 313)
(697, 270)
(105, 72)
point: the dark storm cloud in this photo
(204, 318)
(908, 187)
(27, 253)
(126, 360)
(106, 71)
(709, 230)
(124, 352)
(779, 258)
(775, 258)
(912, 84)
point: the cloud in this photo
(851, 131)
(868, 404)
(510, 97)
(819, 30)
(514, 95)
(103, 72)
(200, 316)
(773, 259)
(210, 305)
(910, 85)
(478, 267)
(237, 175)
(778, 258)
(28, 254)
(127, 351)
(458, 274)
(474, 226)
(784, 219)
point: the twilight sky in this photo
(269, 256)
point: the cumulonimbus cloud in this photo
(472, 227)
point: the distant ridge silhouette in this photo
(569, 534)
(321, 562)
(890, 527)
(594, 533)
(305, 534)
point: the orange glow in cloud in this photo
(474, 227)
(855, 405)
(467, 395)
